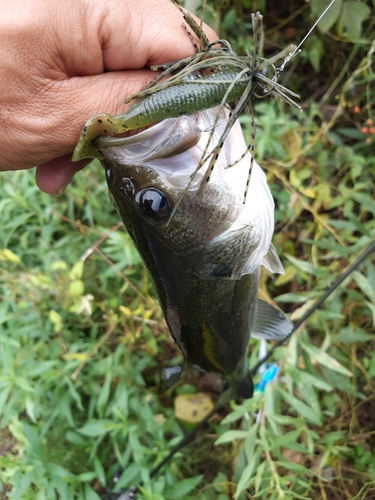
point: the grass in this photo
(81, 332)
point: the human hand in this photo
(63, 62)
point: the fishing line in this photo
(297, 49)
(188, 438)
(316, 305)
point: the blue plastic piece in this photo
(269, 375)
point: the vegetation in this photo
(82, 336)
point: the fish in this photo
(205, 264)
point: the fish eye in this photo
(153, 204)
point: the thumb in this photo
(72, 102)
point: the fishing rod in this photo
(316, 305)
(189, 437)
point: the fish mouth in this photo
(132, 137)
(104, 142)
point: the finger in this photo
(49, 127)
(52, 177)
(155, 35)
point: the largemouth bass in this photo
(205, 264)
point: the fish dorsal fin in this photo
(269, 323)
(272, 262)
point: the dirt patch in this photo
(7, 445)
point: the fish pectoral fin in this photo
(269, 323)
(171, 375)
(224, 257)
(272, 262)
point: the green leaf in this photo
(259, 475)
(86, 477)
(343, 383)
(352, 334)
(4, 394)
(325, 359)
(294, 467)
(230, 436)
(250, 441)
(182, 488)
(41, 368)
(286, 420)
(316, 51)
(7, 255)
(300, 311)
(127, 477)
(76, 271)
(104, 394)
(57, 470)
(330, 17)
(285, 439)
(371, 306)
(365, 285)
(289, 273)
(309, 395)
(270, 402)
(56, 320)
(76, 288)
(304, 266)
(90, 494)
(98, 427)
(34, 440)
(247, 473)
(30, 407)
(99, 470)
(23, 384)
(300, 407)
(55, 317)
(352, 17)
(352, 133)
(308, 378)
(334, 437)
